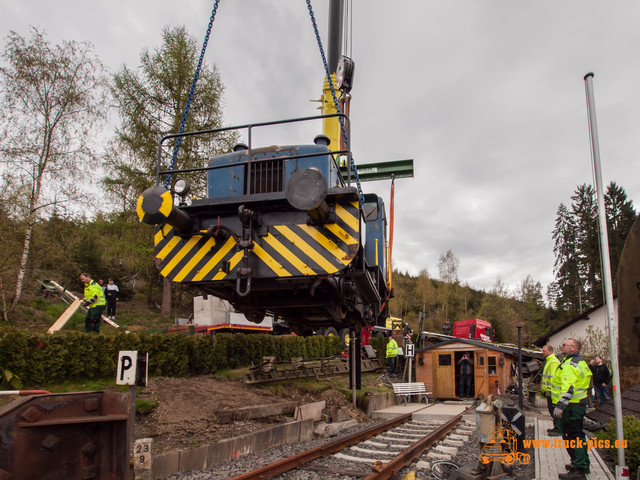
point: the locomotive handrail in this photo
(255, 160)
(250, 127)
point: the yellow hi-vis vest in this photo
(551, 364)
(575, 378)
(94, 290)
(392, 348)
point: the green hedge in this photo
(42, 359)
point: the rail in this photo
(387, 470)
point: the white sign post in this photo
(409, 353)
(128, 375)
(127, 367)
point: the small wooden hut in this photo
(494, 366)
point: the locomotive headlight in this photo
(181, 187)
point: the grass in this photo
(40, 313)
(233, 374)
(310, 385)
(143, 407)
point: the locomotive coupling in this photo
(306, 190)
(155, 206)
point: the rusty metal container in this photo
(65, 436)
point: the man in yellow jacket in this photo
(95, 302)
(551, 364)
(392, 353)
(573, 377)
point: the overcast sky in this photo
(487, 97)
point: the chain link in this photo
(350, 159)
(183, 123)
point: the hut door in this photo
(445, 375)
(481, 380)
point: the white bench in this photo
(413, 388)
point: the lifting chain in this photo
(336, 105)
(183, 123)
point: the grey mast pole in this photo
(606, 266)
(336, 22)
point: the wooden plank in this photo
(64, 318)
(481, 380)
(110, 322)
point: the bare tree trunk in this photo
(4, 303)
(166, 298)
(23, 264)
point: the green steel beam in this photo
(368, 172)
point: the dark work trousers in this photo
(571, 428)
(111, 307)
(92, 320)
(392, 365)
(465, 385)
(556, 421)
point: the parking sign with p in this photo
(127, 367)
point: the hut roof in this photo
(508, 349)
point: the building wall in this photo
(597, 320)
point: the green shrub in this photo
(145, 407)
(9, 379)
(631, 428)
(380, 345)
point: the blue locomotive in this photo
(281, 231)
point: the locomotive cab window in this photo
(370, 212)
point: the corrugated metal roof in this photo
(508, 349)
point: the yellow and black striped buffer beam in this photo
(281, 250)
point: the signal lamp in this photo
(181, 187)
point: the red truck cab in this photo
(475, 329)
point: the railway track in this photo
(377, 453)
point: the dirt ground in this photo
(195, 411)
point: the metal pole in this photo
(336, 9)
(132, 427)
(606, 267)
(353, 360)
(520, 398)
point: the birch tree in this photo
(53, 97)
(448, 269)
